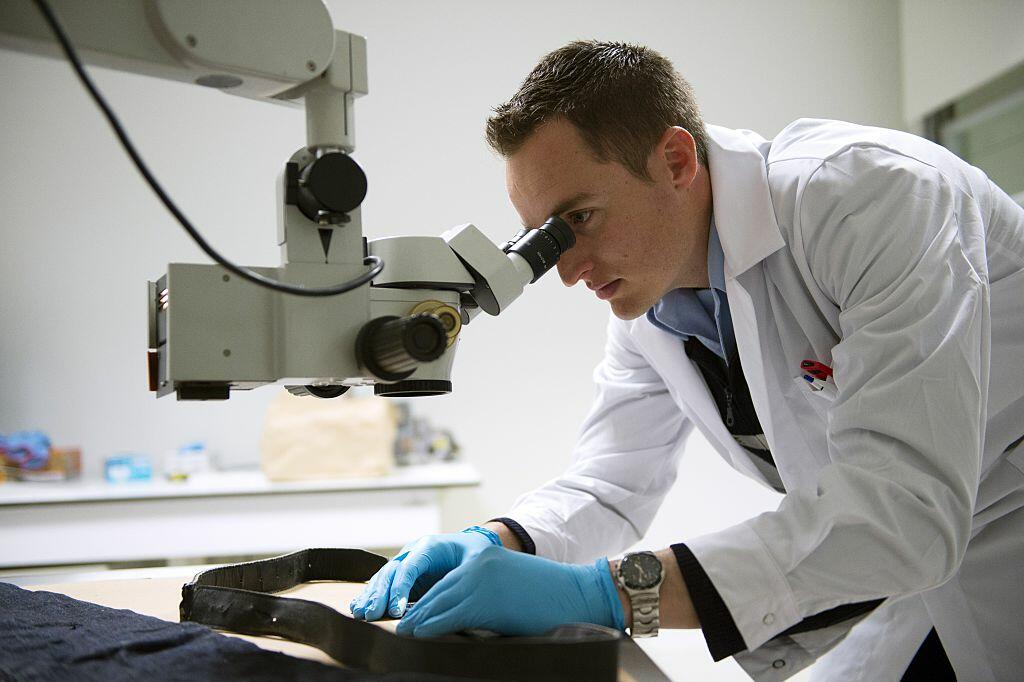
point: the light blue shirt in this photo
(703, 313)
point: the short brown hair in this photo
(621, 97)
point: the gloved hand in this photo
(516, 594)
(426, 560)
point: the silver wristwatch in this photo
(640, 575)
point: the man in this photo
(840, 311)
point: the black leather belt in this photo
(236, 598)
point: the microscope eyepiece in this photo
(542, 248)
(560, 230)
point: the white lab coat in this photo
(900, 266)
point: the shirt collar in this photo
(716, 258)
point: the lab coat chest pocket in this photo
(819, 402)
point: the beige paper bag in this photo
(347, 437)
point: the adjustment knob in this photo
(330, 187)
(391, 347)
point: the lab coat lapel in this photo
(666, 354)
(745, 219)
(746, 327)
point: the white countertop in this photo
(230, 483)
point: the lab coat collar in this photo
(742, 204)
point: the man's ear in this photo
(677, 153)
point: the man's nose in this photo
(573, 265)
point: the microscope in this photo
(395, 322)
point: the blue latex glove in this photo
(516, 594)
(424, 561)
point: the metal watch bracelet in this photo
(646, 614)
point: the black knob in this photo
(391, 347)
(331, 186)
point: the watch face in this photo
(640, 571)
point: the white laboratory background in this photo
(80, 233)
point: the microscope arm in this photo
(261, 49)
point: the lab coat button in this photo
(778, 663)
(768, 619)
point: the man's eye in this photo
(579, 218)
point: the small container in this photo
(63, 464)
(128, 468)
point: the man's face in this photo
(635, 240)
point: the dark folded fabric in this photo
(48, 636)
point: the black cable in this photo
(245, 273)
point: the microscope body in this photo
(212, 332)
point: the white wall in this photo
(951, 47)
(81, 234)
